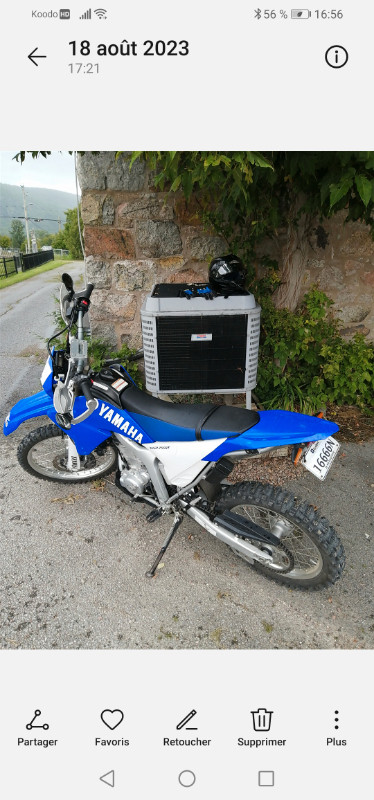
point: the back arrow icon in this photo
(108, 778)
(31, 56)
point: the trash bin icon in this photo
(261, 719)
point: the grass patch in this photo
(23, 276)
(268, 627)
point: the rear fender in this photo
(277, 428)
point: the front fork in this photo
(73, 463)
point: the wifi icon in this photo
(100, 12)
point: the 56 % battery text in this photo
(269, 14)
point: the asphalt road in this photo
(73, 558)
(26, 323)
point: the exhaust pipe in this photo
(242, 546)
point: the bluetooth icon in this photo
(258, 13)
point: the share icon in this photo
(31, 725)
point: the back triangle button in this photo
(108, 778)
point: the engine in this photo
(134, 476)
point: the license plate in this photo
(318, 457)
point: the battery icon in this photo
(300, 13)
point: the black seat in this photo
(201, 420)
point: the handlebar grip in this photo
(86, 390)
(137, 356)
(87, 291)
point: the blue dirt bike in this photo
(177, 457)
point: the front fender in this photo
(38, 405)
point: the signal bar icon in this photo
(86, 15)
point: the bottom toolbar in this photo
(207, 722)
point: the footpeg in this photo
(154, 514)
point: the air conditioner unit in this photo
(197, 345)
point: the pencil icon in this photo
(186, 719)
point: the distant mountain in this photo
(47, 204)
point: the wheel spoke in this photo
(307, 558)
(46, 457)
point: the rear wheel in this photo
(44, 453)
(310, 554)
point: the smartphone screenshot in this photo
(187, 382)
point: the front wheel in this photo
(44, 453)
(310, 554)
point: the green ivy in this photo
(99, 351)
(305, 363)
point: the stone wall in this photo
(340, 259)
(136, 236)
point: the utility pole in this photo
(26, 220)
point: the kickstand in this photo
(178, 519)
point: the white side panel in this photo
(182, 461)
(46, 371)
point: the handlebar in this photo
(76, 383)
(83, 383)
(137, 356)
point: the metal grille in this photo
(218, 363)
(180, 361)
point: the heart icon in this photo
(112, 717)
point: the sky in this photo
(54, 172)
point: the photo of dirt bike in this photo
(177, 457)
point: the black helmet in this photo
(227, 274)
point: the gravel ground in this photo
(273, 469)
(74, 561)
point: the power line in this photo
(34, 219)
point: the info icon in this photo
(336, 56)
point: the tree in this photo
(59, 240)
(5, 242)
(43, 238)
(71, 233)
(17, 233)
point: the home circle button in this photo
(187, 778)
